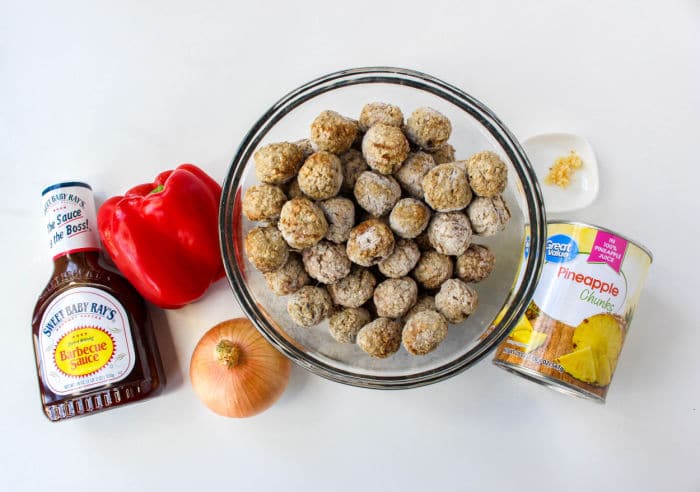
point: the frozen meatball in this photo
(488, 216)
(446, 188)
(411, 173)
(340, 215)
(400, 263)
(307, 148)
(309, 305)
(321, 176)
(456, 300)
(376, 193)
(266, 248)
(370, 242)
(450, 233)
(288, 279)
(293, 190)
(384, 148)
(379, 112)
(380, 338)
(409, 218)
(444, 154)
(302, 223)
(277, 163)
(263, 202)
(346, 323)
(428, 128)
(487, 174)
(355, 289)
(423, 332)
(332, 132)
(395, 296)
(326, 262)
(475, 264)
(353, 165)
(424, 303)
(433, 269)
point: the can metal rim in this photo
(555, 384)
(605, 229)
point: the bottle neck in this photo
(83, 260)
(70, 219)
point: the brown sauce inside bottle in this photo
(93, 341)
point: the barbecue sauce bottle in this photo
(93, 340)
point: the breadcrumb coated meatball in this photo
(475, 264)
(433, 269)
(456, 300)
(263, 202)
(340, 215)
(266, 248)
(370, 242)
(302, 223)
(379, 112)
(309, 305)
(411, 173)
(487, 174)
(288, 279)
(409, 218)
(326, 262)
(333, 132)
(450, 233)
(376, 193)
(355, 289)
(395, 296)
(423, 332)
(428, 128)
(321, 176)
(346, 323)
(380, 338)
(444, 154)
(384, 148)
(400, 263)
(488, 216)
(446, 188)
(277, 163)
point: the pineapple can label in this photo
(571, 335)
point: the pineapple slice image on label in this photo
(521, 332)
(537, 339)
(524, 334)
(604, 371)
(603, 333)
(597, 341)
(580, 364)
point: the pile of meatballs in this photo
(370, 222)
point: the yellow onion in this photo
(236, 372)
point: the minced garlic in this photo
(562, 170)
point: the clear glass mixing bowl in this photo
(507, 290)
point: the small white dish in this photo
(543, 150)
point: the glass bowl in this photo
(507, 291)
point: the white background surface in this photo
(114, 92)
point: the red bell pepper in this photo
(164, 236)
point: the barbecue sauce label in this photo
(85, 341)
(69, 216)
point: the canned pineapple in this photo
(572, 333)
